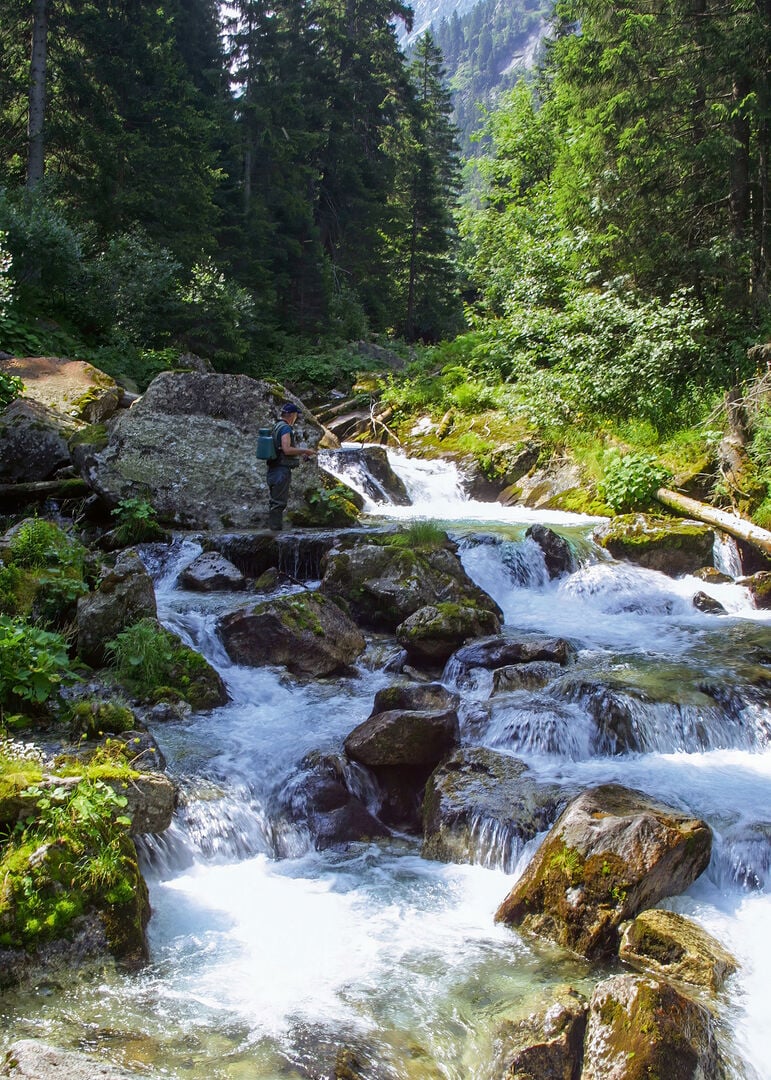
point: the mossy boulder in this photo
(558, 555)
(759, 586)
(124, 594)
(673, 546)
(383, 584)
(306, 632)
(674, 947)
(433, 633)
(73, 388)
(546, 1045)
(414, 696)
(640, 1028)
(612, 853)
(483, 807)
(34, 441)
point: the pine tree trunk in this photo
(37, 94)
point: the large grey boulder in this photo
(546, 1045)
(672, 546)
(483, 807)
(674, 947)
(123, 596)
(34, 440)
(188, 447)
(639, 1028)
(306, 632)
(612, 853)
(382, 585)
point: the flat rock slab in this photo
(72, 387)
(30, 1059)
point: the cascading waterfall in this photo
(268, 956)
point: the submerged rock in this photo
(613, 852)
(483, 807)
(677, 948)
(307, 632)
(546, 1045)
(640, 1028)
(672, 546)
(321, 799)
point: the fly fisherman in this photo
(288, 457)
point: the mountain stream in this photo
(271, 960)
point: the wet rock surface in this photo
(306, 632)
(612, 853)
(640, 1028)
(672, 546)
(481, 806)
(675, 947)
(546, 1045)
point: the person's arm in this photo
(294, 451)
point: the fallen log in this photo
(710, 515)
(71, 488)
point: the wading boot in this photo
(276, 520)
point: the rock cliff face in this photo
(188, 447)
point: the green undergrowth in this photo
(154, 665)
(65, 850)
(417, 536)
(43, 571)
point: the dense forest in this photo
(264, 187)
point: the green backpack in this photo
(266, 444)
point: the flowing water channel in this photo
(271, 960)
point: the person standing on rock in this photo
(288, 457)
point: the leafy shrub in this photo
(137, 523)
(216, 315)
(40, 543)
(34, 664)
(6, 291)
(46, 249)
(630, 482)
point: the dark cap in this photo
(289, 407)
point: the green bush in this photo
(137, 523)
(34, 665)
(154, 664)
(630, 482)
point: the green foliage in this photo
(34, 665)
(218, 316)
(70, 853)
(91, 718)
(137, 522)
(331, 506)
(419, 536)
(154, 664)
(40, 543)
(631, 480)
(141, 655)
